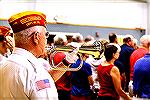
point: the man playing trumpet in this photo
(62, 60)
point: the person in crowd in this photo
(109, 76)
(6, 42)
(69, 38)
(141, 76)
(81, 80)
(88, 41)
(113, 39)
(135, 45)
(94, 62)
(63, 81)
(78, 39)
(124, 58)
(60, 40)
(23, 77)
(139, 53)
(50, 39)
(89, 38)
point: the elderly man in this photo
(23, 77)
(124, 58)
(6, 42)
(141, 76)
(139, 53)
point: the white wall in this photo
(148, 22)
(114, 13)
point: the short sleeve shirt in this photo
(22, 77)
(80, 83)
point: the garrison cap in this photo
(4, 31)
(24, 20)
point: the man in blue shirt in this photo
(124, 58)
(141, 77)
(81, 80)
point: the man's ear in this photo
(36, 38)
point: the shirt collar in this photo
(2, 57)
(28, 55)
(147, 55)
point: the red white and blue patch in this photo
(42, 84)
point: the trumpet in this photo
(58, 70)
(88, 50)
(96, 50)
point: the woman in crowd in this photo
(109, 76)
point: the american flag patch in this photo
(42, 84)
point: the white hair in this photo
(78, 38)
(135, 40)
(22, 37)
(145, 39)
(90, 38)
(60, 39)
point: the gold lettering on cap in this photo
(38, 22)
(27, 24)
(29, 19)
(15, 23)
(32, 23)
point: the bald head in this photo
(145, 40)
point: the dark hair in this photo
(109, 51)
(112, 37)
(2, 38)
(50, 38)
(87, 39)
(126, 40)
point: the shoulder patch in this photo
(42, 84)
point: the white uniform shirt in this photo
(2, 59)
(45, 64)
(22, 77)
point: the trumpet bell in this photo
(58, 68)
(96, 49)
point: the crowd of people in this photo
(29, 71)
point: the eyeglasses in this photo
(47, 35)
(31, 34)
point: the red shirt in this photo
(106, 84)
(137, 54)
(64, 83)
